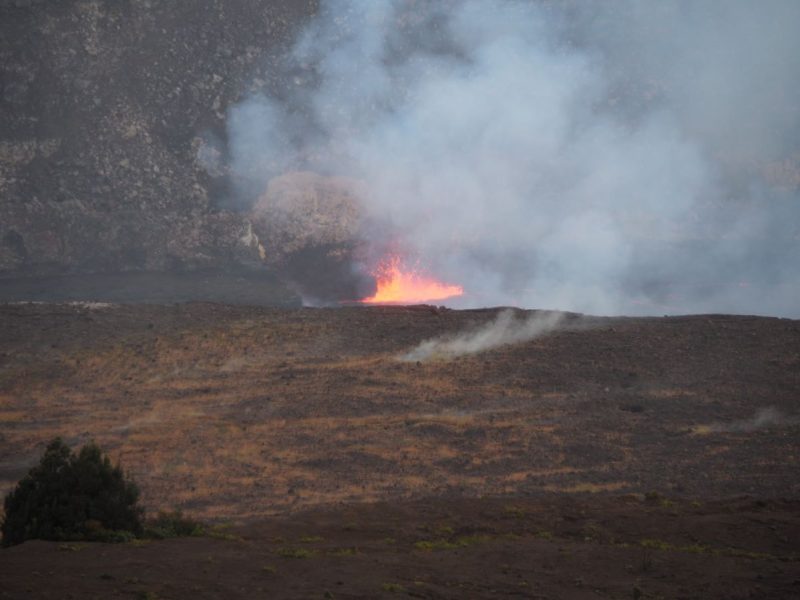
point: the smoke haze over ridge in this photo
(599, 157)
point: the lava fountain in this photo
(400, 285)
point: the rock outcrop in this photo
(104, 107)
(302, 210)
(309, 225)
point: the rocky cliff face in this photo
(104, 106)
(309, 228)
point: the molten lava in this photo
(399, 286)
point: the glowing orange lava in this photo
(399, 286)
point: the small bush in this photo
(173, 524)
(70, 496)
(656, 544)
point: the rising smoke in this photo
(505, 329)
(605, 157)
(765, 417)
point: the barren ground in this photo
(615, 458)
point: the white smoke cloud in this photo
(505, 329)
(595, 157)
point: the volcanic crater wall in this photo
(611, 158)
(105, 107)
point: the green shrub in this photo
(70, 496)
(173, 524)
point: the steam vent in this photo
(358, 299)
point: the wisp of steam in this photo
(505, 329)
(765, 417)
(617, 157)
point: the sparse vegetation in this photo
(173, 524)
(72, 496)
(395, 588)
(343, 552)
(444, 544)
(295, 552)
(439, 544)
(656, 544)
(70, 547)
(514, 512)
(221, 531)
(658, 499)
(444, 530)
(652, 544)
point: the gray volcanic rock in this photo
(309, 225)
(304, 210)
(104, 107)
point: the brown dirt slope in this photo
(241, 411)
(532, 460)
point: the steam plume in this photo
(765, 417)
(609, 157)
(505, 329)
